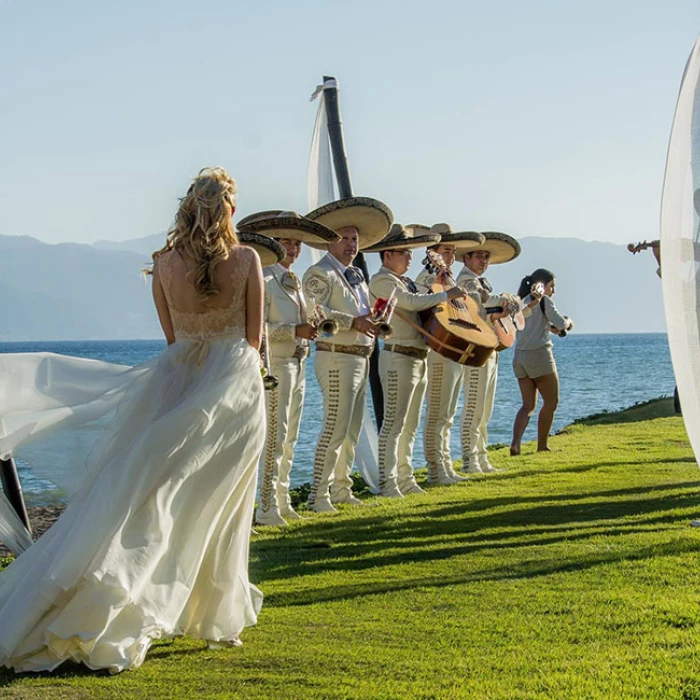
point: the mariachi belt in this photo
(418, 353)
(361, 350)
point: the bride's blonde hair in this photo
(203, 227)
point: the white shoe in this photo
(454, 476)
(412, 488)
(473, 469)
(224, 643)
(392, 492)
(695, 523)
(290, 514)
(348, 499)
(271, 518)
(487, 467)
(322, 506)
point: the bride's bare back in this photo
(235, 310)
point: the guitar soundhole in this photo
(464, 324)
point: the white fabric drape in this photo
(680, 246)
(320, 191)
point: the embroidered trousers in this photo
(479, 395)
(283, 407)
(343, 382)
(445, 379)
(403, 380)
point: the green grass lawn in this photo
(572, 574)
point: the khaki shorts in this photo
(534, 363)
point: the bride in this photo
(154, 543)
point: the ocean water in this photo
(597, 373)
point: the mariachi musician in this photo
(342, 360)
(480, 382)
(286, 314)
(403, 359)
(444, 375)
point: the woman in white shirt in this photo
(533, 361)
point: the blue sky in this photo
(541, 118)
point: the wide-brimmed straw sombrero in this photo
(369, 216)
(404, 238)
(287, 224)
(502, 247)
(269, 250)
(466, 240)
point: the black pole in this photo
(342, 176)
(13, 490)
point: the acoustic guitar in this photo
(455, 329)
(504, 326)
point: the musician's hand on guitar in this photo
(365, 325)
(456, 293)
(306, 331)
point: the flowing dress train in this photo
(155, 540)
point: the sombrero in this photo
(405, 237)
(369, 216)
(270, 251)
(287, 224)
(465, 240)
(502, 247)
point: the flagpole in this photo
(13, 490)
(342, 175)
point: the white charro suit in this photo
(403, 372)
(284, 309)
(343, 378)
(479, 387)
(444, 384)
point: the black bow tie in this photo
(354, 276)
(410, 284)
(485, 284)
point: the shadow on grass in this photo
(66, 670)
(526, 570)
(159, 650)
(433, 533)
(527, 472)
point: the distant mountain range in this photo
(71, 291)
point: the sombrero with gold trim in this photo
(269, 250)
(404, 238)
(369, 216)
(276, 223)
(503, 248)
(465, 240)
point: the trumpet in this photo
(326, 327)
(382, 312)
(269, 380)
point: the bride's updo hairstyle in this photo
(203, 227)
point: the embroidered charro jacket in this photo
(470, 282)
(284, 309)
(324, 284)
(408, 302)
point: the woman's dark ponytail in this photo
(539, 275)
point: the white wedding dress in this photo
(155, 541)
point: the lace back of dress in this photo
(217, 317)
